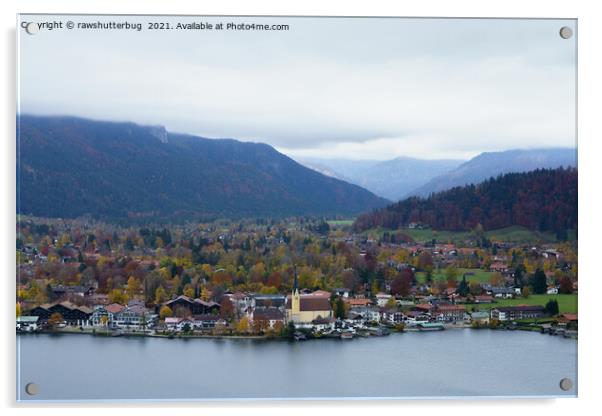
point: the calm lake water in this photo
(447, 363)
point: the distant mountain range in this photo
(402, 177)
(540, 200)
(68, 167)
(492, 164)
(392, 179)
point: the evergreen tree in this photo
(463, 288)
(538, 282)
(551, 307)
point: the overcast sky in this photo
(352, 88)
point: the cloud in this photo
(343, 87)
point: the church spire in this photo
(295, 281)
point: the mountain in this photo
(540, 200)
(392, 179)
(69, 166)
(491, 164)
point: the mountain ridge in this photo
(71, 166)
(492, 164)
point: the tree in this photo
(242, 326)
(463, 288)
(526, 292)
(165, 311)
(133, 286)
(189, 291)
(451, 275)
(497, 279)
(475, 288)
(18, 309)
(226, 309)
(55, 319)
(566, 285)
(117, 296)
(340, 311)
(391, 303)
(186, 328)
(538, 282)
(551, 307)
(160, 295)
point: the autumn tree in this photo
(165, 312)
(226, 309)
(55, 319)
(496, 279)
(566, 285)
(133, 287)
(160, 295)
(451, 276)
(242, 326)
(117, 296)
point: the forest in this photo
(540, 200)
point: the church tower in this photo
(295, 298)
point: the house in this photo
(272, 316)
(60, 291)
(568, 319)
(498, 266)
(269, 301)
(413, 318)
(306, 308)
(108, 311)
(365, 314)
(483, 299)
(134, 316)
(241, 301)
(423, 307)
(342, 292)
(71, 313)
(502, 292)
(481, 317)
(207, 321)
(357, 302)
(177, 323)
(552, 291)
(382, 299)
(323, 324)
(194, 306)
(27, 323)
(450, 313)
(511, 313)
(392, 316)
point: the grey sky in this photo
(355, 88)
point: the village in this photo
(302, 280)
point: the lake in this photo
(451, 363)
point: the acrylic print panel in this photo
(294, 207)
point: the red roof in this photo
(451, 308)
(311, 303)
(114, 308)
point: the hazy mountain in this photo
(491, 164)
(69, 166)
(392, 179)
(541, 200)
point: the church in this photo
(307, 307)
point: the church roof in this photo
(311, 303)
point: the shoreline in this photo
(263, 337)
